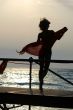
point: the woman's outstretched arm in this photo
(60, 33)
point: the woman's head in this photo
(44, 24)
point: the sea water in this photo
(19, 77)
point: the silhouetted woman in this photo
(48, 38)
(43, 47)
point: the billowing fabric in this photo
(35, 47)
(3, 66)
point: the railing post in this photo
(29, 107)
(30, 77)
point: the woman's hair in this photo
(44, 24)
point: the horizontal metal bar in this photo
(36, 60)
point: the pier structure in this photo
(33, 97)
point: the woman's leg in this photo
(41, 71)
(47, 63)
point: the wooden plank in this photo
(34, 91)
(49, 98)
(36, 100)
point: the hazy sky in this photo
(19, 20)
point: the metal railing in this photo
(31, 60)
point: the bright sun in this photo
(28, 1)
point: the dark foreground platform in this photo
(49, 98)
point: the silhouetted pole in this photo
(61, 77)
(30, 60)
(29, 107)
